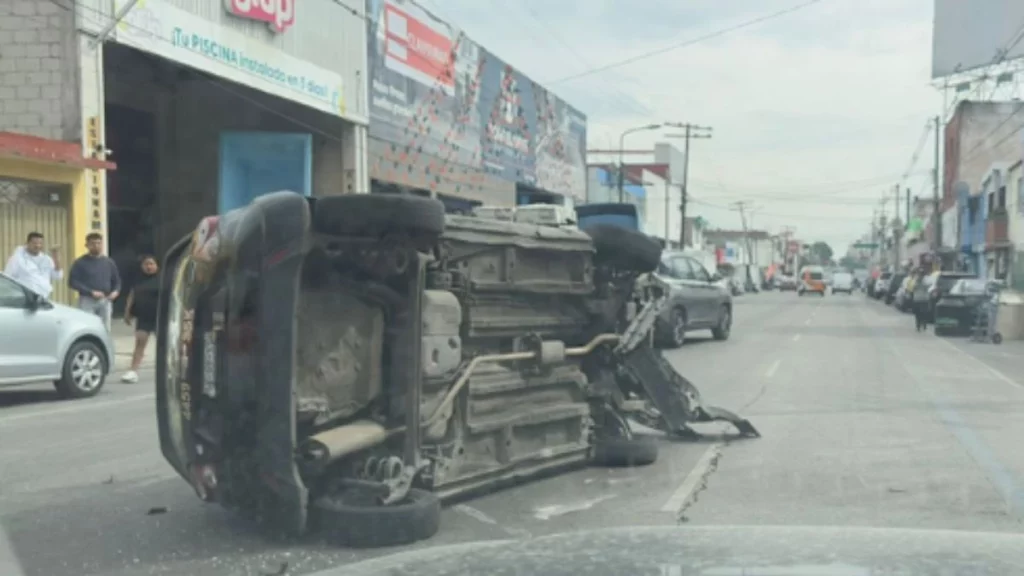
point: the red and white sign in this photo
(418, 51)
(278, 14)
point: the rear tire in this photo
(355, 520)
(379, 215)
(624, 249)
(625, 452)
(674, 334)
(84, 371)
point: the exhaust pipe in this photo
(330, 445)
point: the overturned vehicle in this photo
(348, 363)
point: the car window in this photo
(12, 295)
(699, 272)
(678, 268)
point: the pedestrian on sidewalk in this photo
(33, 267)
(920, 301)
(94, 276)
(141, 308)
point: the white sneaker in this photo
(130, 377)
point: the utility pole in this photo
(937, 222)
(897, 229)
(690, 131)
(908, 207)
(741, 207)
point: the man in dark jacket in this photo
(95, 278)
(919, 300)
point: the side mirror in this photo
(715, 277)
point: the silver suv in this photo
(698, 300)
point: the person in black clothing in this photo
(141, 308)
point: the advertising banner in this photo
(170, 32)
(447, 109)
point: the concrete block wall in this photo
(38, 69)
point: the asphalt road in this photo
(864, 422)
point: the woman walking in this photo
(141, 308)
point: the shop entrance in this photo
(255, 163)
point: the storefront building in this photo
(207, 105)
(449, 119)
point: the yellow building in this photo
(49, 186)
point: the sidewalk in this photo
(123, 337)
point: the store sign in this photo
(278, 14)
(451, 112)
(169, 32)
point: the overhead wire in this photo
(680, 45)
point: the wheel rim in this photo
(679, 328)
(86, 370)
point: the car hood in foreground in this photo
(715, 550)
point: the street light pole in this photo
(622, 144)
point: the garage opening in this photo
(193, 145)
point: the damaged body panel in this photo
(320, 360)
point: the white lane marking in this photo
(772, 369)
(991, 370)
(548, 512)
(796, 337)
(683, 492)
(74, 406)
(9, 564)
(475, 514)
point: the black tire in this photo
(625, 452)
(674, 333)
(723, 329)
(624, 249)
(356, 520)
(377, 215)
(84, 371)
(997, 338)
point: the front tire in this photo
(84, 371)
(356, 520)
(675, 332)
(723, 329)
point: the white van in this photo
(842, 282)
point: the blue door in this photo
(255, 163)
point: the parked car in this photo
(41, 340)
(882, 285)
(895, 283)
(698, 301)
(941, 283)
(786, 283)
(842, 282)
(956, 311)
(902, 299)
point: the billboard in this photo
(449, 116)
(970, 34)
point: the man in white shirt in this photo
(34, 268)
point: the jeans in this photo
(99, 307)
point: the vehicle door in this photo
(685, 293)
(710, 294)
(28, 339)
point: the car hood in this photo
(717, 551)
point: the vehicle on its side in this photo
(42, 340)
(349, 362)
(842, 282)
(812, 280)
(696, 301)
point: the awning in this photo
(15, 146)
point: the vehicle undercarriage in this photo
(431, 358)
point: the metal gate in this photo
(27, 206)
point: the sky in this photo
(815, 114)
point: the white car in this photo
(842, 282)
(41, 340)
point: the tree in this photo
(821, 252)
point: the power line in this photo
(691, 42)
